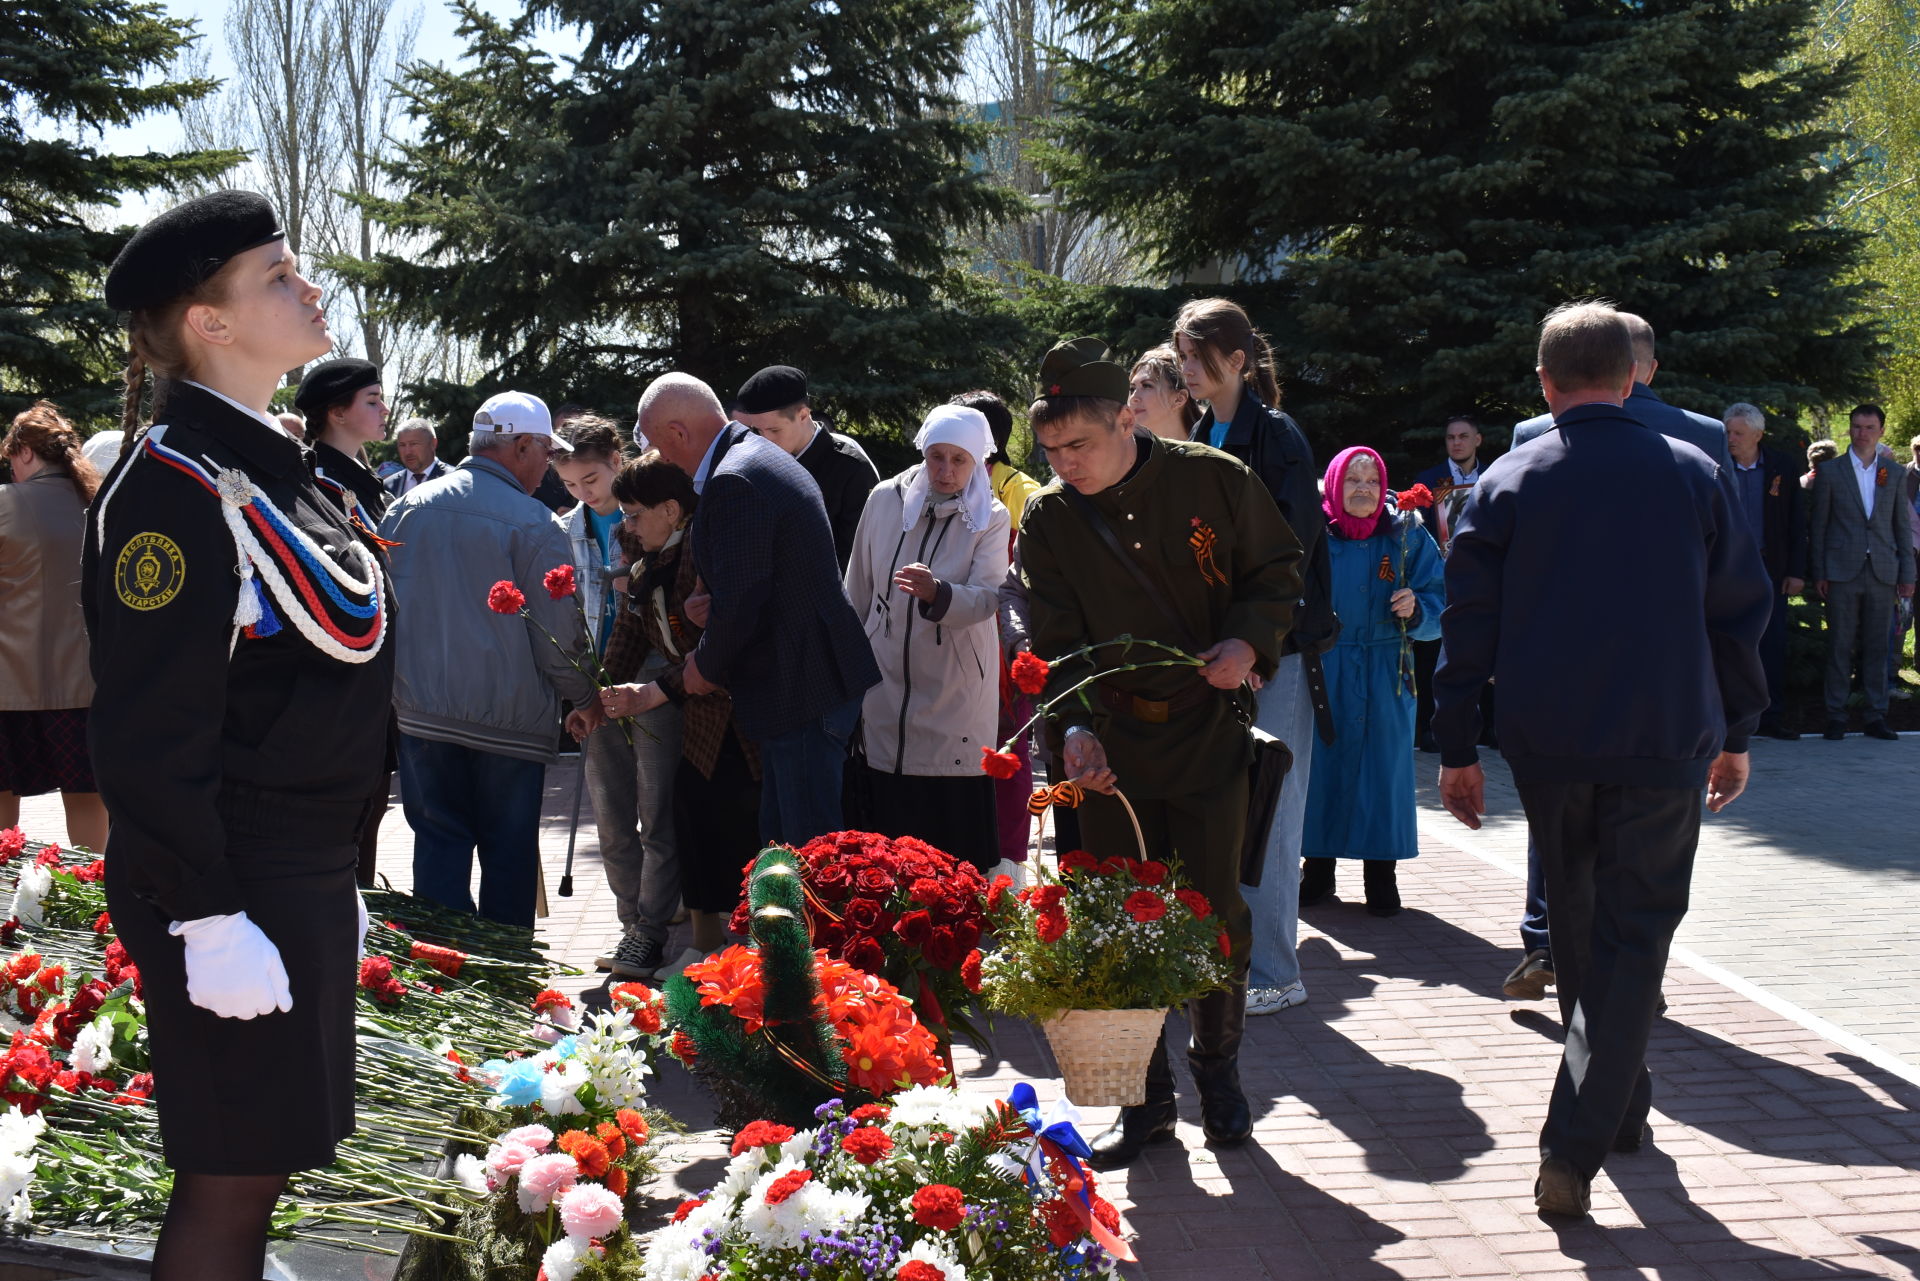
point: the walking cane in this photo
(573, 829)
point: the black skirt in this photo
(956, 815)
(716, 827)
(272, 1094)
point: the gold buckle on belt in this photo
(1146, 709)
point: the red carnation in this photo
(1050, 925)
(867, 1144)
(559, 582)
(999, 764)
(939, 1205)
(681, 1211)
(103, 924)
(374, 971)
(1145, 905)
(998, 891)
(683, 1047)
(786, 1185)
(1409, 499)
(1046, 898)
(760, 1134)
(1226, 944)
(871, 1112)
(919, 1270)
(504, 598)
(970, 970)
(1078, 861)
(1149, 872)
(1030, 673)
(928, 891)
(1196, 903)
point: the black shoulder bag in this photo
(1272, 759)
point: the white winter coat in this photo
(937, 703)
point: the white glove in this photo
(232, 968)
(361, 903)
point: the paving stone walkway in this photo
(1398, 1109)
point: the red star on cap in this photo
(1054, 390)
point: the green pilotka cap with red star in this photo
(1082, 367)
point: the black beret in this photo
(1081, 367)
(334, 380)
(181, 248)
(775, 387)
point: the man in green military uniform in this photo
(1179, 543)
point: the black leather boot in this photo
(1316, 880)
(1149, 1122)
(1383, 886)
(1219, 1020)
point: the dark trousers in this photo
(1773, 657)
(460, 800)
(1617, 862)
(1426, 654)
(801, 774)
(1535, 934)
(1859, 619)
(1200, 834)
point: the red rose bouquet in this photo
(903, 910)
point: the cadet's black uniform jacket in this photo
(189, 707)
(356, 479)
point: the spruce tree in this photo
(1407, 186)
(711, 186)
(70, 69)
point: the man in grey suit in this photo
(1861, 553)
(1708, 435)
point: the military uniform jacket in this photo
(353, 485)
(215, 671)
(1204, 529)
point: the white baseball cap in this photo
(516, 413)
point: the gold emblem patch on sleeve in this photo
(149, 572)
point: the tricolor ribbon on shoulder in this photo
(1057, 1136)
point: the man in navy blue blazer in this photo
(1613, 715)
(780, 635)
(1529, 978)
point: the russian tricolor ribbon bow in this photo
(1058, 1136)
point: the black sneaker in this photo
(1878, 729)
(636, 957)
(1836, 730)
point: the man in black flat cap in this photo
(774, 403)
(1176, 542)
(345, 408)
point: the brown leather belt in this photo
(1154, 711)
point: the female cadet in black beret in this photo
(344, 408)
(239, 629)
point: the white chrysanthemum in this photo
(929, 1253)
(778, 1227)
(797, 1148)
(836, 1208)
(921, 1105)
(35, 881)
(93, 1047)
(677, 1253)
(560, 1089)
(742, 1171)
(16, 1176)
(562, 1260)
(967, 1111)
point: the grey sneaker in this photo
(635, 957)
(1271, 1000)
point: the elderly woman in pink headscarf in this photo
(1387, 590)
(928, 561)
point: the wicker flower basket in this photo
(1103, 1053)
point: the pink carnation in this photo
(507, 1158)
(545, 1177)
(537, 1137)
(590, 1211)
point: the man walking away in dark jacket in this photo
(1612, 719)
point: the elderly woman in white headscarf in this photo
(928, 561)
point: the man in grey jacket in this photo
(478, 685)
